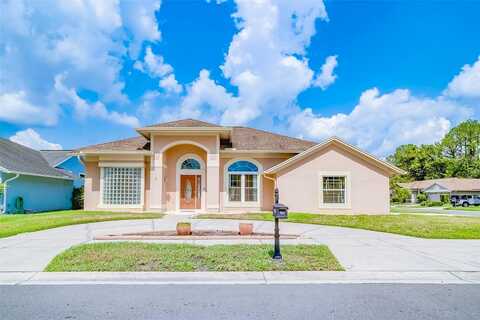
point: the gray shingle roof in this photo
(242, 138)
(130, 144)
(16, 158)
(452, 184)
(55, 157)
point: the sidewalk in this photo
(356, 250)
(201, 278)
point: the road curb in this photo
(225, 278)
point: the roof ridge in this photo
(275, 133)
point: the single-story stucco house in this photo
(67, 161)
(435, 189)
(25, 176)
(191, 165)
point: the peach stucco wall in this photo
(92, 186)
(299, 185)
(161, 142)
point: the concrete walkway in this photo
(357, 250)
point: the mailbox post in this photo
(280, 211)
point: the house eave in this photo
(385, 165)
(148, 131)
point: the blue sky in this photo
(376, 73)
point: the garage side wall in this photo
(300, 184)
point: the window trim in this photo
(242, 203)
(104, 165)
(348, 189)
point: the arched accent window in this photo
(191, 164)
(243, 166)
(243, 182)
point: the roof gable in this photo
(390, 168)
(15, 158)
(55, 157)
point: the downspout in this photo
(274, 184)
(5, 188)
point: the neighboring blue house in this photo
(64, 160)
(27, 177)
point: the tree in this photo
(457, 155)
(463, 141)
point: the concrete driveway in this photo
(357, 250)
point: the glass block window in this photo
(243, 182)
(191, 164)
(122, 186)
(334, 190)
(243, 166)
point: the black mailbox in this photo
(280, 211)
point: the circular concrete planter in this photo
(245, 229)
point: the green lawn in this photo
(12, 224)
(128, 256)
(470, 208)
(422, 226)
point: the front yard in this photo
(12, 224)
(128, 256)
(422, 226)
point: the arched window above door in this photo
(190, 164)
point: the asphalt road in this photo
(323, 301)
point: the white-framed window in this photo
(122, 186)
(243, 182)
(334, 189)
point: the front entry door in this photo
(190, 192)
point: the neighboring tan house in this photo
(435, 189)
(191, 165)
(67, 161)
(30, 182)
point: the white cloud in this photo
(170, 84)
(86, 38)
(139, 18)
(266, 58)
(467, 83)
(30, 138)
(15, 108)
(327, 77)
(206, 98)
(154, 65)
(381, 122)
(84, 110)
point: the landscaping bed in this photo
(12, 224)
(128, 256)
(195, 235)
(422, 226)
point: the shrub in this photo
(400, 195)
(430, 203)
(422, 197)
(78, 198)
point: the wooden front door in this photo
(190, 192)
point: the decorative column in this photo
(157, 182)
(213, 182)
